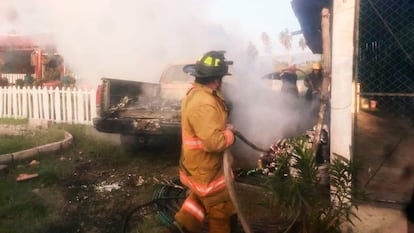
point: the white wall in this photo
(342, 73)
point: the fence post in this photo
(70, 105)
(9, 103)
(1, 101)
(64, 104)
(92, 110)
(23, 93)
(19, 108)
(46, 103)
(58, 107)
(36, 104)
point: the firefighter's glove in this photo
(231, 127)
(229, 134)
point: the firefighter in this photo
(289, 82)
(313, 82)
(205, 137)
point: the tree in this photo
(252, 51)
(285, 39)
(302, 44)
(266, 43)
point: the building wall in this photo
(342, 76)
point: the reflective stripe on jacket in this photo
(201, 189)
(194, 209)
(204, 134)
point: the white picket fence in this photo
(12, 77)
(65, 105)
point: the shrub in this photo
(4, 82)
(19, 83)
(310, 206)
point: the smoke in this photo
(261, 112)
(121, 39)
(135, 40)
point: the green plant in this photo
(36, 202)
(313, 207)
(19, 82)
(4, 82)
(29, 139)
(88, 146)
(37, 205)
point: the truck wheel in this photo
(133, 142)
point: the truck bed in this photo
(133, 108)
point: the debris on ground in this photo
(34, 163)
(140, 181)
(104, 187)
(26, 176)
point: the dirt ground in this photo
(101, 193)
(384, 149)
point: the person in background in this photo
(289, 82)
(313, 82)
(205, 137)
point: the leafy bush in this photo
(309, 205)
(19, 82)
(4, 82)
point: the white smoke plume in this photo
(124, 39)
(136, 39)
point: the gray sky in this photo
(136, 39)
(132, 39)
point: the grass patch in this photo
(34, 205)
(13, 121)
(92, 148)
(29, 139)
(63, 199)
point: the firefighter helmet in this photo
(211, 64)
(316, 66)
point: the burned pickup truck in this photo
(144, 114)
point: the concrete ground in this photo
(384, 149)
(378, 218)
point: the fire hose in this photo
(244, 139)
(227, 161)
(227, 166)
(165, 197)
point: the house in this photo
(34, 54)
